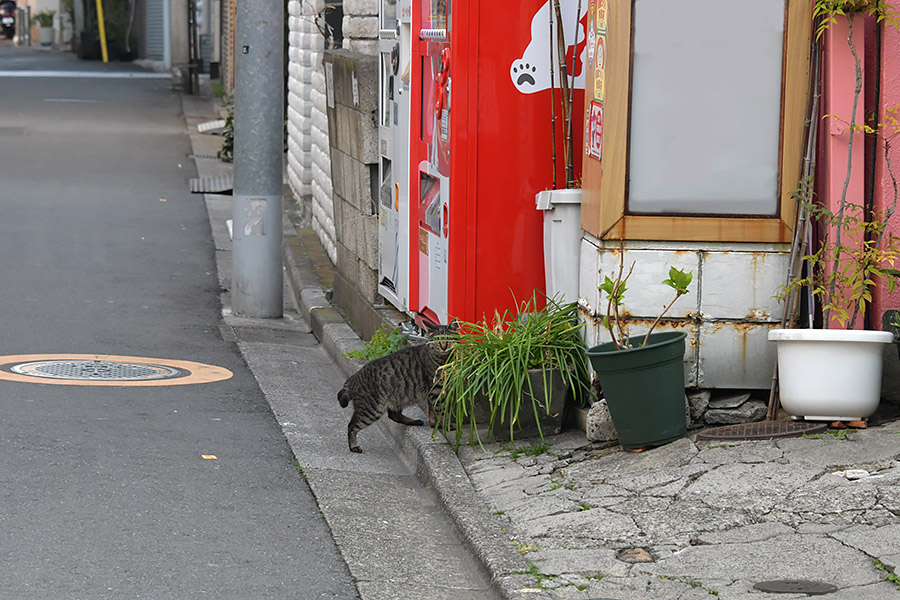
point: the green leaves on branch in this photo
(826, 12)
(866, 255)
(679, 280)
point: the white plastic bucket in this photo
(830, 374)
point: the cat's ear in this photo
(453, 325)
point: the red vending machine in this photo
(482, 145)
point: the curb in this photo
(433, 460)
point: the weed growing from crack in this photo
(584, 506)
(525, 548)
(892, 577)
(556, 481)
(838, 434)
(541, 577)
(692, 583)
(532, 450)
(299, 468)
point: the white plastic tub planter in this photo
(830, 374)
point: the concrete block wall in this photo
(353, 134)
(309, 168)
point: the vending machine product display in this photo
(395, 18)
(482, 141)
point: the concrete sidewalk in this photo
(568, 519)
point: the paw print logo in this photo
(532, 71)
(523, 73)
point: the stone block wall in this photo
(309, 168)
(360, 26)
(353, 133)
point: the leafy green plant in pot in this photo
(833, 373)
(642, 376)
(510, 369)
(44, 20)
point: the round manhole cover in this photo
(795, 586)
(96, 370)
(761, 430)
(110, 370)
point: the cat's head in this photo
(442, 337)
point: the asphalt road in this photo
(113, 492)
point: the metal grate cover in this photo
(212, 185)
(761, 430)
(92, 370)
(211, 125)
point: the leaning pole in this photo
(256, 289)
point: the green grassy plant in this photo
(492, 362)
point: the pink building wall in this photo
(882, 87)
(835, 134)
(883, 186)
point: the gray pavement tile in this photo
(788, 557)
(756, 532)
(406, 590)
(878, 542)
(756, 488)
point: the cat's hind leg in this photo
(358, 422)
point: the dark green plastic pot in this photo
(644, 388)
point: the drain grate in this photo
(795, 586)
(91, 370)
(211, 125)
(212, 185)
(761, 430)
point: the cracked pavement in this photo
(713, 518)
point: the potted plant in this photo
(44, 20)
(833, 373)
(642, 377)
(517, 371)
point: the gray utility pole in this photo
(258, 154)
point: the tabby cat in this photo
(393, 382)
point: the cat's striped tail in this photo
(344, 397)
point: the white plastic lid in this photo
(830, 335)
(544, 200)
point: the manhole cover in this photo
(761, 430)
(795, 586)
(106, 370)
(95, 370)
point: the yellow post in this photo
(102, 31)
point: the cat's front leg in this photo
(399, 417)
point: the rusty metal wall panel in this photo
(727, 314)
